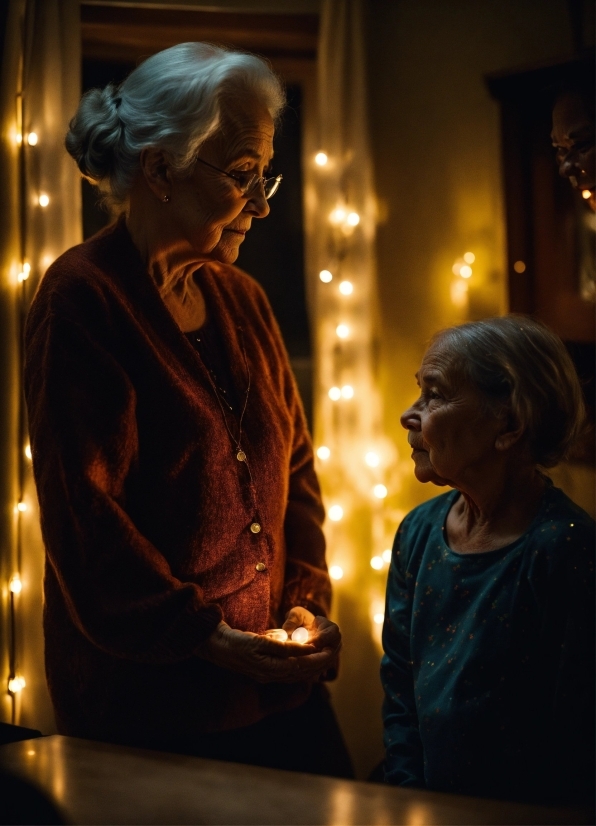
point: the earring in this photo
(166, 199)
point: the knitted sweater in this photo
(146, 513)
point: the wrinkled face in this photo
(451, 435)
(207, 207)
(573, 138)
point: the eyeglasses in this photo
(247, 182)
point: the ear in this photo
(156, 172)
(510, 434)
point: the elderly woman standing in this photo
(180, 509)
(489, 629)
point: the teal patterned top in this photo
(489, 658)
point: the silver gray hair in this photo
(522, 368)
(173, 101)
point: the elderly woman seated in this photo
(489, 630)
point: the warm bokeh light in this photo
(372, 459)
(32, 138)
(16, 684)
(342, 330)
(335, 394)
(43, 200)
(325, 276)
(465, 271)
(18, 138)
(15, 586)
(469, 257)
(353, 219)
(346, 288)
(336, 572)
(386, 555)
(347, 391)
(28, 453)
(380, 491)
(323, 453)
(337, 215)
(335, 513)
(21, 507)
(321, 158)
(376, 563)
(22, 276)
(378, 618)
(519, 266)
(459, 293)
(586, 193)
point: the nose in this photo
(410, 418)
(257, 204)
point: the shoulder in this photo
(423, 521)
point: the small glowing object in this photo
(325, 276)
(28, 453)
(347, 391)
(15, 586)
(336, 572)
(30, 753)
(323, 453)
(456, 268)
(586, 193)
(372, 459)
(335, 394)
(300, 635)
(378, 618)
(376, 563)
(338, 215)
(465, 271)
(26, 267)
(16, 684)
(21, 507)
(43, 200)
(321, 158)
(22, 276)
(342, 330)
(353, 219)
(469, 257)
(18, 139)
(32, 138)
(380, 491)
(459, 293)
(277, 634)
(386, 556)
(335, 513)
(346, 288)
(519, 266)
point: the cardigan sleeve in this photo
(404, 755)
(118, 588)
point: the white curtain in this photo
(40, 218)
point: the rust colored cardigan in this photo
(146, 512)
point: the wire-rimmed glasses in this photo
(247, 182)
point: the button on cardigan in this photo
(148, 519)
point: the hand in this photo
(262, 658)
(324, 634)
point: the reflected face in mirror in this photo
(573, 139)
(451, 435)
(207, 206)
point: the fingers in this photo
(296, 617)
(325, 634)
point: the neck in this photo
(497, 510)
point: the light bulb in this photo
(18, 139)
(300, 635)
(15, 586)
(347, 391)
(21, 507)
(27, 267)
(323, 453)
(586, 193)
(278, 634)
(28, 453)
(380, 491)
(325, 276)
(378, 618)
(372, 459)
(321, 158)
(32, 138)
(376, 563)
(335, 513)
(353, 219)
(335, 394)
(336, 572)
(346, 288)
(469, 257)
(44, 200)
(22, 276)
(338, 215)
(386, 555)
(342, 330)
(16, 684)
(465, 271)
